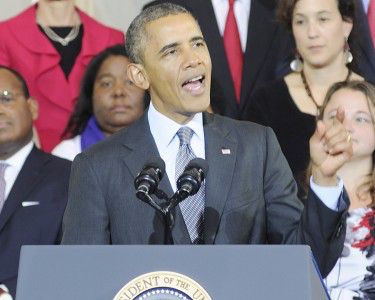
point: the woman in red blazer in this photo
(26, 48)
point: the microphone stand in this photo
(178, 196)
(168, 217)
(163, 209)
(168, 226)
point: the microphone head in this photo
(198, 163)
(155, 163)
(151, 174)
(191, 179)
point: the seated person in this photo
(33, 184)
(349, 277)
(108, 102)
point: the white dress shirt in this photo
(366, 4)
(328, 194)
(15, 163)
(68, 149)
(241, 12)
(164, 131)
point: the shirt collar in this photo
(165, 129)
(18, 159)
(246, 3)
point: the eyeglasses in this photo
(7, 97)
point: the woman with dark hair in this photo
(354, 273)
(108, 102)
(321, 31)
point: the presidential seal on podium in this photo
(162, 285)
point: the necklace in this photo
(55, 37)
(308, 90)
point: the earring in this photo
(348, 54)
(296, 64)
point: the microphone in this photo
(190, 181)
(147, 181)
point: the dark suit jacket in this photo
(44, 179)
(267, 56)
(363, 48)
(250, 194)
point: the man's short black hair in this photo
(19, 77)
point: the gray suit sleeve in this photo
(86, 219)
(280, 193)
(316, 225)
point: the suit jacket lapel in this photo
(139, 144)
(259, 39)
(26, 181)
(364, 38)
(221, 152)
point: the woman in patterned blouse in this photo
(353, 275)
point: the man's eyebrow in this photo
(197, 38)
(104, 75)
(173, 45)
(169, 46)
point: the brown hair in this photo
(286, 8)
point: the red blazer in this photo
(25, 48)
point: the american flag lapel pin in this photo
(225, 151)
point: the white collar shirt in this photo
(15, 162)
(164, 132)
(366, 4)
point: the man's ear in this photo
(33, 107)
(137, 74)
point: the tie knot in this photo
(185, 134)
(231, 2)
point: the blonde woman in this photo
(352, 278)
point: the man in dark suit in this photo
(267, 54)
(364, 51)
(249, 195)
(33, 184)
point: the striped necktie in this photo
(192, 208)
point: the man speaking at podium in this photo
(249, 195)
